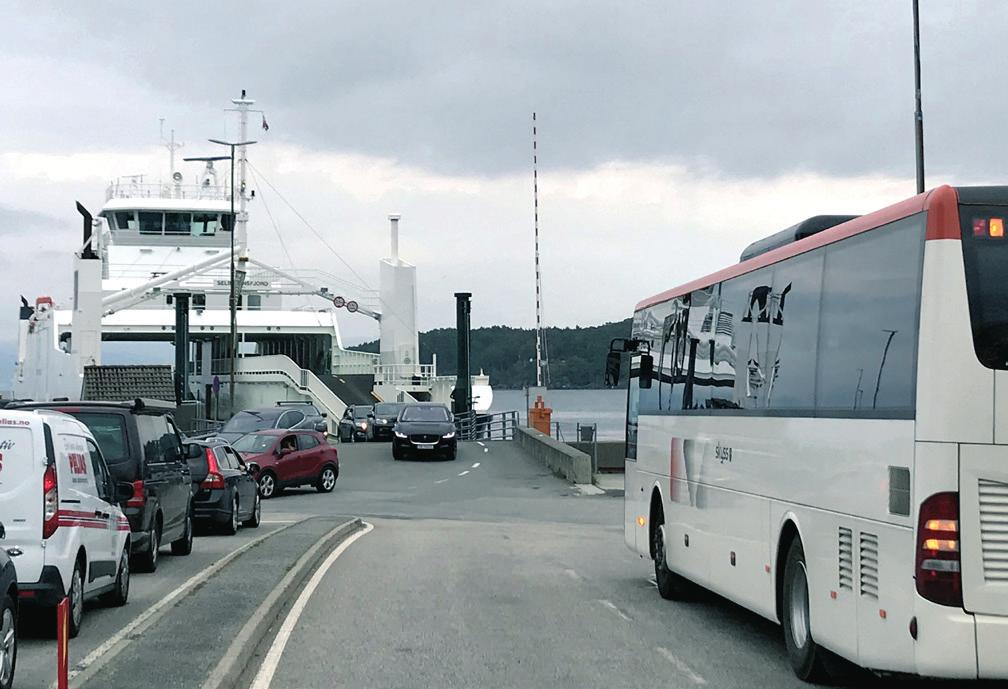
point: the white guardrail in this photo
(280, 368)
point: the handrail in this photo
(493, 426)
(299, 378)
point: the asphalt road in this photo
(482, 572)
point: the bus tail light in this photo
(938, 570)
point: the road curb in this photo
(233, 665)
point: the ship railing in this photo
(487, 426)
(127, 189)
(404, 374)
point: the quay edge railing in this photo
(487, 426)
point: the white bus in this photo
(820, 433)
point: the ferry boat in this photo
(156, 264)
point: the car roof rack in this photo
(137, 406)
(293, 403)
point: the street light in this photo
(233, 299)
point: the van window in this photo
(102, 479)
(110, 432)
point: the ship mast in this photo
(541, 360)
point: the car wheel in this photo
(183, 546)
(231, 525)
(147, 561)
(267, 485)
(808, 659)
(76, 596)
(326, 480)
(256, 517)
(396, 453)
(452, 453)
(8, 642)
(671, 586)
(118, 596)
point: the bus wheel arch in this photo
(656, 517)
(788, 533)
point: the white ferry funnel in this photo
(394, 220)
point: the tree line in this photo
(507, 355)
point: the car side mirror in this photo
(646, 371)
(124, 491)
(324, 415)
(612, 369)
(322, 427)
(194, 451)
(3, 532)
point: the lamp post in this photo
(918, 115)
(233, 298)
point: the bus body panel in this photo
(983, 520)
(992, 661)
(947, 366)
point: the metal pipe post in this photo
(918, 115)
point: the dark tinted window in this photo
(360, 411)
(386, 410)
(985, 255)
(790, 334)
(110, 432)
(868, 334)
(150, 222)
(290, 419)
(177, 223)
(307, 442)
(425, 414)
(160, 444)
(248, 421)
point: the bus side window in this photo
(633, 409)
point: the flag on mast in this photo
(265, 125)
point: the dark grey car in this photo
(293, 415)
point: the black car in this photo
(228, 494)
(8, 617)
(355, 422)
(385, 414)
(143, 447)
(284, 415)
(424, 430)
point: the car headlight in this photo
(400, 435)
(382, 421)
(363, 425)
(449, 435)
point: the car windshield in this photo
(246, 422)
(425, 414)
(361, 412)
(386, 409)
(254, 443)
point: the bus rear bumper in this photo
(991, 633)
(946, 641)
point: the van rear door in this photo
(22, 464)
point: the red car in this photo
(280, 458)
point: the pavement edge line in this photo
(86, 668)
(243, 647)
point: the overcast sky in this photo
(671, 134)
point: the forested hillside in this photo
(507, 355)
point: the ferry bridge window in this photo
(125, 220)
(150, 223)
(204, 224)
(254, 302)
(868, 334)
(177, 223)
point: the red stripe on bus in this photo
(943, 223)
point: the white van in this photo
(59, 504)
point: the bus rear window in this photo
(985, 256)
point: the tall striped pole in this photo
(538, 284)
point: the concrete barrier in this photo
(610, 454)
(562, 459)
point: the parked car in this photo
(355, 423)
(63, 526)
(300, 415)
(282, 459)
(424, 430)
(143, 447)
(8, 617)
(384, 419)
(228, 494)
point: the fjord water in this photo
(606, 408)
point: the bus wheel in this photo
(671, 586)
(808, 659)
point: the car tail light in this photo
(213, 479)
(938, 571)
(139, 497)
(50, 502)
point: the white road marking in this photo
(442, 480)
(118, 641)
(573, 575)
(475, 464)
(464, 472)
(609, 604)
(279, 521)
(480, 443)
(681, 666)
(486, 449)
(272, 660)
(588, 489)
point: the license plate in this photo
(425, 446)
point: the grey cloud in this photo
(753, 88)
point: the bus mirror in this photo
(612, 367)
(646, 371)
